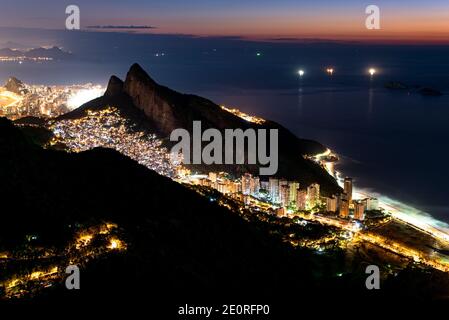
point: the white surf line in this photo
(398, 210)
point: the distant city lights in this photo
(109, 129)
(244, 116)
(115, 244)
(21, 59)
(331, 70)
(46, 101)
(85, 95)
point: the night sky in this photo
(411, 20)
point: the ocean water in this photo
(392, 142)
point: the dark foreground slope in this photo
(162, 110)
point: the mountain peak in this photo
(15, 85)
(136, 67)
(145, 94)
(115, 87)
(138, 73)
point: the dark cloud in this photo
(121, 27)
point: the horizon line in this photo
(351, 39)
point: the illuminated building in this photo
(222, 187)
(213, 176)
(344, 208)
(274, 189)
(283, 182)
(234, 187)
(182, 172)
(264, 185)
(204, 182)
(359, 210)
(348, 189)
(293, 186)
(371, 204)
(280, 212)
(284, 195)
(313, 195)
(254, 185)
(301, 200)
(246, 184)
(332, 204)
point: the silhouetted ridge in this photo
(115, 86)
(137, 72)
(12, 140)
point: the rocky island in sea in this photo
(423, 90)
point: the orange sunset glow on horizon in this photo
(410, 21)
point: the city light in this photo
(21, 59)
(80, 251)
(115, 244)
(301, 72)
(243, 115)
(372, 71)
(330, 71)
(83, 240)
(46, 101)
(399, 211)
(8, 99)
(108, 129)
(80, 97)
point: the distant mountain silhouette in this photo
(15, 85)
(53, 52)
(162, 110)
(7, 52)
(15, 45)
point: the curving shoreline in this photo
(414, 218)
